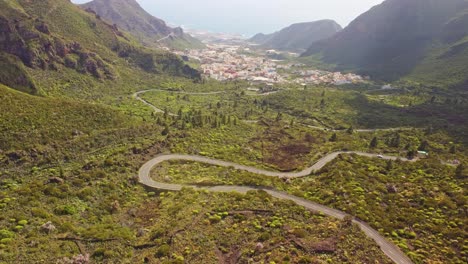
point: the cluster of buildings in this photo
(226, 62)
(232, 62)
(320, 77)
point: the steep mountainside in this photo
(56, 38)
(151, 31)
(298, 37)
(422, 39)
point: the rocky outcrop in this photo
(36, 48)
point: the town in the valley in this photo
(224, 62)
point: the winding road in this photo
(158, 110)
(362, 130)
(391, 250)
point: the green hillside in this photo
(420, 39)
(28, 120)
(298, 37)
(56, 38)
(445, 64)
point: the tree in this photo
(429, 130)
(322, 103)
(159, 121)
(279, 117)
(350, 130)
(166, 114)
(165, 132)
(424, 146)
(396, 141)
(374, 143)
(453, 149)
(179, 113)
(412, 154)
(334, 138)
(460, 171)
(389, 166)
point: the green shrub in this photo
(103, 253)
(305, 260)
(6, 240)
(264, 237)
(66, 210)
(301, 233)
(163, 251)
(39, 212)
(6, 234)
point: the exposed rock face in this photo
(42, 27)
(10, 43)
(57, 42)
(37, 49)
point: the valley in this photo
(124, 140)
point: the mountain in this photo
(418, 40)
(131, 17)
(42, 41)
(298, 37)
(261, 38)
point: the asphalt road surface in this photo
(390, 249)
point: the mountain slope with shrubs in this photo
(54, 36)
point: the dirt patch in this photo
(145, 213)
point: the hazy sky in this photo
(249, 17)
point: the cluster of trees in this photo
(195, 119)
